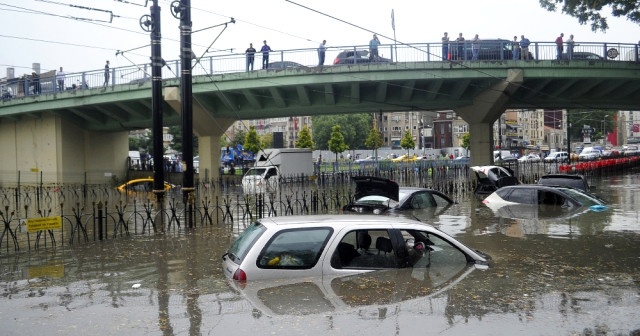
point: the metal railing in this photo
(489, 50)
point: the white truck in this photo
(277, 165)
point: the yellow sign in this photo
(45, 223)
(55, 271)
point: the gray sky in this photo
(48, 35)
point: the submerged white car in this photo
(340, 245)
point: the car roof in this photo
(338, 220)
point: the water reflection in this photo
(576, 275)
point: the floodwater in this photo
(552, 274)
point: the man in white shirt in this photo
(60, 75)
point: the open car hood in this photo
(370, 185)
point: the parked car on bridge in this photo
(357, 57)
(405, 158)
(489, 49)
(284, 65)
(287, 247)
(582, 55)
(590, 154)
(378, 195)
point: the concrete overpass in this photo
(86, 129)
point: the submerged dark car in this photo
(492, 178)
(378, 195)
(565, 180)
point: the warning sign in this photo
(44, 223)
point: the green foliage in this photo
(266, 140)
(304, 138)
(355, 128)
(407, 141)
(336, 142)
(142, 143)
(176, 141)
(588, 11)
(238, 138)
(374, 140)
(466, 141)
(251, 140)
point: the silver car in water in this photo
(340, 245)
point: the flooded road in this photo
(552, 274)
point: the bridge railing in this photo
(489, 50)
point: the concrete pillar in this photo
(485, 110)
(209, 130)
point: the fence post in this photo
(100, 233)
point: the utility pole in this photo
(182, 10)
(151, 23)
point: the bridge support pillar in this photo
(487, 107)
(209, 130)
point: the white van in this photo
(557, 157)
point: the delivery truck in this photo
(275, 166)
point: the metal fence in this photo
(490, 50)
(92, 212)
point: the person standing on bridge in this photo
(570, 45)
(475, 48)
(250, 52)
(106, 74)
(322, 49)
(460, 47)
(559, 47)
(516, 48)
(445, 47)
(265, 55)
(524, 47)
(373, 47)
(60, 75)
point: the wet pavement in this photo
(552, 274)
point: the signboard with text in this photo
(44, 223)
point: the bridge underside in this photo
(419, 86)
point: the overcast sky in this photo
(44, 32)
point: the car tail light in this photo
(336, 61)
(484, 201)
(240, 275)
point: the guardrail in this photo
(489, 50)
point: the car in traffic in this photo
(141, 185)
(284, 65)
(357, 57)
(531, 157)
(491, 178)
(405, 158)
(542, 195)
(590, 154)
(565, 180)
(369, 159)
(557, 157)
(377, 195)
(340, 245)
(582, 55)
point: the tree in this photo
(251, 141)
(176, 138)
(336, 142)
(466, 142)
(355, 128)
(407, 142)
(588, 11)
(374, 140)
(266, 140)
(304, 138)
(238, 138)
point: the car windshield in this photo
(584, 199)
(245, 240)
(256, 171)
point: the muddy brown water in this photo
(551, 275)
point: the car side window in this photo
(523, 196)
(422, 201)
(550, 198)
(294, 249)
(365, 249)
(427, 250)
